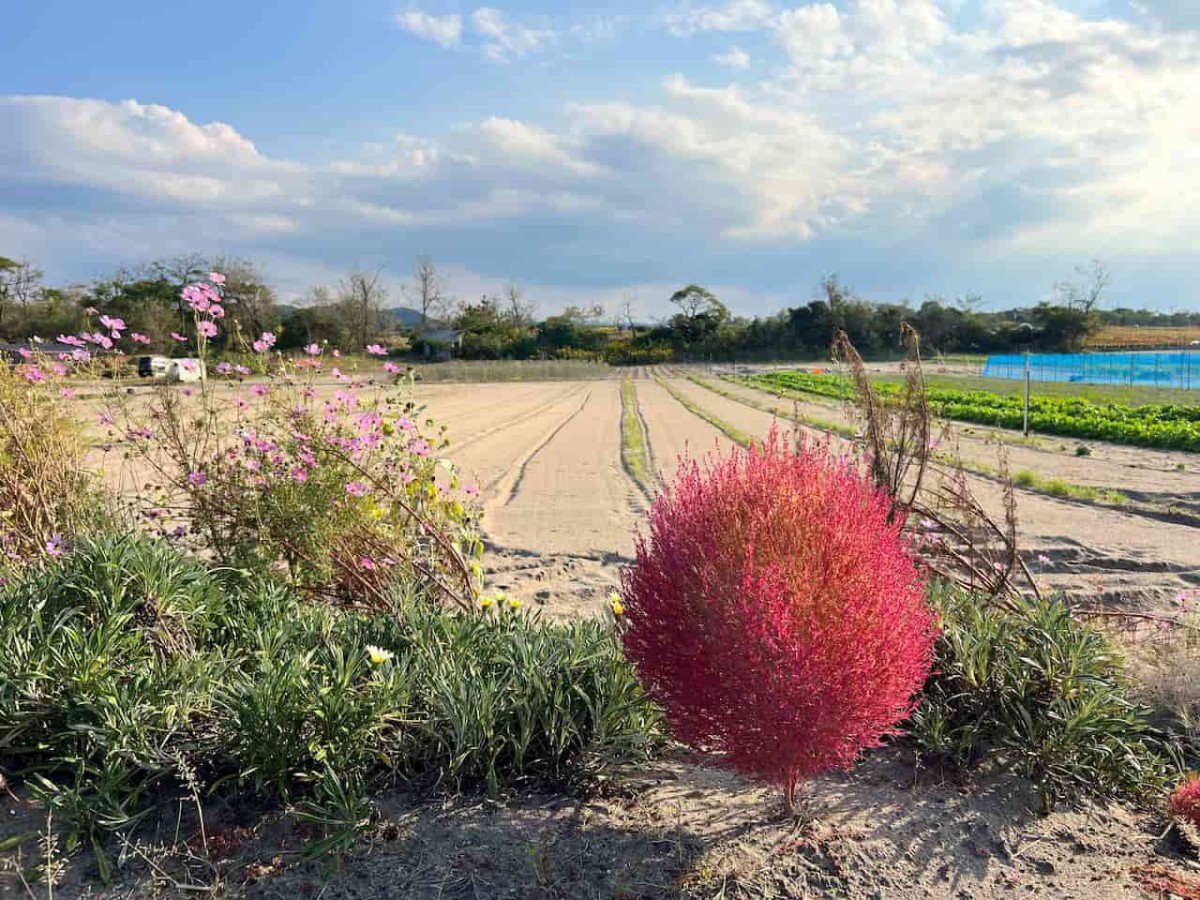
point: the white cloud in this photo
(504, 40)
(734, 58)
(526, 144)
(813, 31)
(735, 15)
(445, 30)
(1035, 130)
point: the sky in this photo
(595, 152)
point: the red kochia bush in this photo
(776, 614)
(1184, 802)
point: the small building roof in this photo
(442, 336)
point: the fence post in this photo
(1028, 376)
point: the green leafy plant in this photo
(1028, 686)
(132, 670)
(1166, 426)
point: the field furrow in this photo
(1093, 552)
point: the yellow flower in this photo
(614, 600)
(378, 655)
(514, 604)
(487, 602)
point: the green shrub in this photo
(1040, 693)
(131, 669)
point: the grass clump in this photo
(1059, 487)
(635, 448)
(735, 435)
(131, 670)
(1030, 688)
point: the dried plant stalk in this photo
(961, 541)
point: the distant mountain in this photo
(407, 317)
(402, 316)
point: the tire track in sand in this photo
(515, 486)
(569, 494)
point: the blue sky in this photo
(597, 151)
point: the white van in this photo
(186, 369)
(163, 368)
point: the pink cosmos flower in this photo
(216, 277)
(216, 310)
(34, 375)
(177, 336)
(471, 490)
(264, 343)
(224, 368)
(81, 355)
(197, 479)
(208, 329)
(337, 354)
(367, 563)
(113, 324)
(242, 370)
(68, 393)
(313, 349)
(242, 405)
(259, 390)
(106, 420)
(376, 350)
(70, 340)
(60, 370)
(1043, 559)
(25, 352)
(139, 338)
(299, 474)
(54, 546)
(197, 296)
(391, 368)
(421, 448)
(357, 489)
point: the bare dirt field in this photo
(560, 510)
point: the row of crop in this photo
(1165, 426)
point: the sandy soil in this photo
(675, 433)
(675, 829)
(560, 511)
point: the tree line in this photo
(504, 325)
